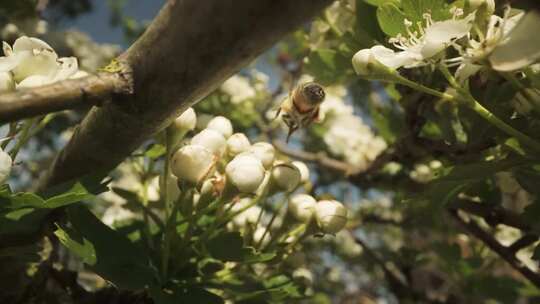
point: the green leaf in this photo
(76, 194)
(381, 2)
(328, 66)
(226, 247)
(108, 253)
(367, 26)
(391, 19)
(78, 245)
(21, 222)
(179, 295)
(415, 9)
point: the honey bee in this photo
(301, 107)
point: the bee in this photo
(301, 107)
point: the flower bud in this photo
(265, 152)
(331, 216)
(173, 192)
(366, 64)
(222, 125)
(181, 125)
(237, 143)
(249, 216)
(193, 163)
(304, 171)
(211, 140)
(302, 207)
(7, 84)
(245, 172)
(286, 176)
(186, 121)
(5, 166)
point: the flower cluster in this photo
(424, 173)
(347, 135)
(222, 163)
(31, 62)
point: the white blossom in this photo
(331, 216)
(238, 88)
(33, 62)
(302, 207)
(116, 213)
(222, 125)
(211, 140)
(418, 46)
(258, 236)
(193, 163)
(245, 172)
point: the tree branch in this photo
(69, 94)
(187, 51)
(504, 252)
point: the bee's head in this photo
(313, 92)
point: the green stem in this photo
(468, 100)
(414, 85)
(274, 216)
(170, 216)
(331, 24)
(24, 137)
(494, 120)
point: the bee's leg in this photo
(277, 113)
(291, 131)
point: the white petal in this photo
(393, 59)
(30, 44)
(68, 68)
(7, 49)
(440, 34)
(44, 64)
(34, 81)
(10, 62)
(7, 83)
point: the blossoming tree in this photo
(388, 155)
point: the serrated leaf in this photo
(80, 246)
(414, 10)
(116, 258)
(391, 19)
(328, 66)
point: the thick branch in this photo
(69, 94)
(187, 51)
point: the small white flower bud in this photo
(304, 171)
(286, 176)
(245, 172)
(186, 121)
(173, 192)
(331, 216)
(222, 125)
(265, 152)
(302, 207)
(211, 140)
(303, 275)
(237, 143)
(5, 166)
(7, 84)
(249, 216)
(193, 163)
